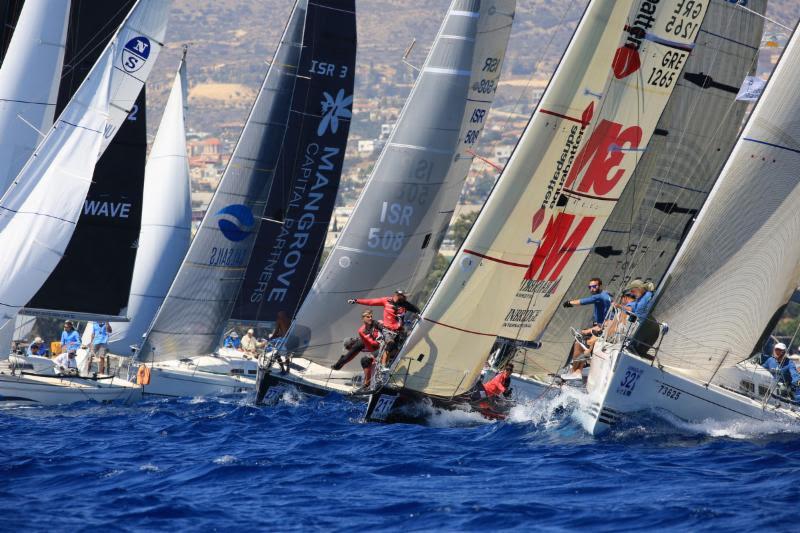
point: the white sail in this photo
(39, 211)
(561, 183)
(402, 214)
(29, 80)
(693, 139)
(741, 260)
(166, 220)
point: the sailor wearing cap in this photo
(250, 344)
(643, 294)
(233, 341)
(37, 347)
(784, 370)
(70, 339)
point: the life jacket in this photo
(143, 375)
(497, 385)
(369, 336)
(392, 311)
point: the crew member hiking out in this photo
(601, 300)
(369, 335)
(394, 309)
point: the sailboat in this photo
(295, 137)
(401, 216)
(567, 172)
(166, 221)
(40, 210)
(690, 144)
(724, 291)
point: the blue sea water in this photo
(309, 464)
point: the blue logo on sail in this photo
(135, 54)
(235, 222)
(332, 110)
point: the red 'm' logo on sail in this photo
(557, 246)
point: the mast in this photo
(199, 302)
(166, 219)
(691, 143)
(402, 214)
(561, 183)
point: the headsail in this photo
(291, 237)
(741, 260)
(29, 80)
(692, 140)
(95, 273)
(199, 302)
(39, 212)
(563, 179)
(403, 212)
(166, 220)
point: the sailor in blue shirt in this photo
(99, 344)
(784, 370)
(70, 339)
(232, 341)
(640, 307)
(601, 301)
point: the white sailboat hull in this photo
(620, 384)
(26, 389)
(527, 387)
(205, 375)
(307, 376)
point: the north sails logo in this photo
(235, 222)
(333, 109)
(135, 54)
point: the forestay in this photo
(199, 302)
(39, 212)
(402, 214)
(94, 276)
(564, 177)
(289, 244)
(691, 142)
(739, 263)
(166, 220)
(29, 79)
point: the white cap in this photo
(250, 331)
(794, 357)
(780, 346)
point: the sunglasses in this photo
(594, 286)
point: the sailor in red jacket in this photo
(394, 307)
(369, 336)
(500, 384)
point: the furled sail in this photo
(166, 220)
(692, 140)
(39, 211)
(29, 80)
(290, 241)
(739, 262)
(403, 211)
(564, 177)
(199, 302)
(94, 276)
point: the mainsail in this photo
(564, 177)
(289, 244)
(740, 262)
(692, 140)
(95, 273)
(199, 302)
(166, 220)
(39, 212)
(29, 80)
(402, 214)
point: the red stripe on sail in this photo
(509, 263)
(460, 329)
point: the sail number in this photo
(395, 214)
(683, 23)
(671, 65)
(669, 392)
(327, 69)
(628, 383)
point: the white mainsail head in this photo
(740, 262)
(402, 214)
(561, 183)
(29, 81)
(692, 141)
(166, 220)
(38, 213)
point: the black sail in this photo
(301, 200)
(9, 15)
(94, 276)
